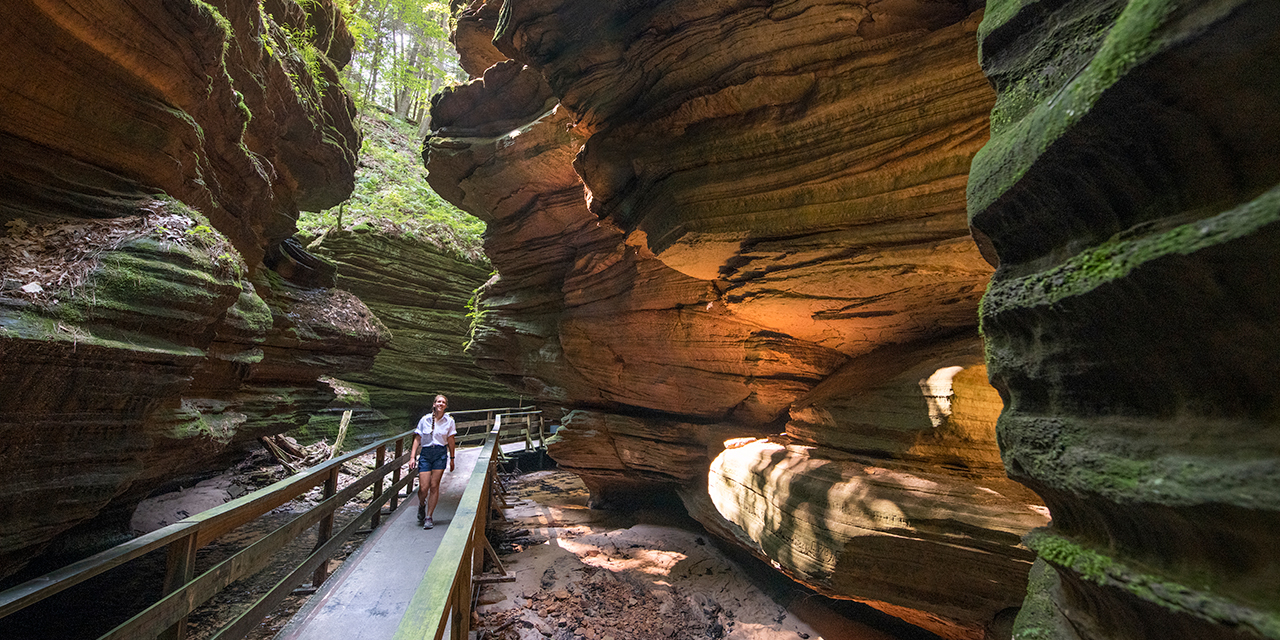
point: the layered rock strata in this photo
(723, 221)
(153, 322)
(1131, 195)
(421, 293)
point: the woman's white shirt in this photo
(434, 431)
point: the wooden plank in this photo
(325, 530)
(493, 555)
(379, 459)
(488, 579)
(489, 413)
(471, 439)
(209, 524)
(37, 589)
(180, 568)
(231, 515)
(249, 560)
(251, 618)
(395, 475)
(435, 598)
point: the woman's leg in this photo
(424, 478)
(434, 493)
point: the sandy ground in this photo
(594, 575)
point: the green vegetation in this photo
(1118, 257)
(1027, 120)
(402, 56)
(476, 312)
(1038, 619)
(392, 195)
(1102, 569)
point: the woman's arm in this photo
(453, 445)
(413, 451)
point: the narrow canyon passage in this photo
(964, 311)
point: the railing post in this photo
(180, 568)
(380, 459)
(461, 626)
(478, 529)
(542, 432)
(395, 475)
(324, 530)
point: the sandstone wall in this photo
(420, 292)
(153, 322)
(737, 223)
(1129, 194)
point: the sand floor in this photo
(600, 575)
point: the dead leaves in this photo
(39, 261)
(16, 227)
(334, 309)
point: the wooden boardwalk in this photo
(369, 593)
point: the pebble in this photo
(542, 627)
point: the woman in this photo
(433, 439)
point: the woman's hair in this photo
(438, 396)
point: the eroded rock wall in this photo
(1130, 196)
(744, 224)
(420, 292)
(153, 320)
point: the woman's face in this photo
(441, 404)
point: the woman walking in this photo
(433, 439)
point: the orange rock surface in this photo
(727, 220)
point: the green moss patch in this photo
(1102, 569)
(1143, 29)
(1120, 256)
(392, 196)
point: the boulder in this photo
(940, 551)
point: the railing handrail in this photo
(485, 419)
(207, 524)
(449, 574)
(495, 411)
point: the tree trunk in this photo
(371, 88)
(404, 97)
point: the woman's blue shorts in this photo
(433, 456)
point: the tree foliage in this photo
(403, 54)
(402, 57)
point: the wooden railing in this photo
(519, 424)
(443, 598)
(184, 591)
